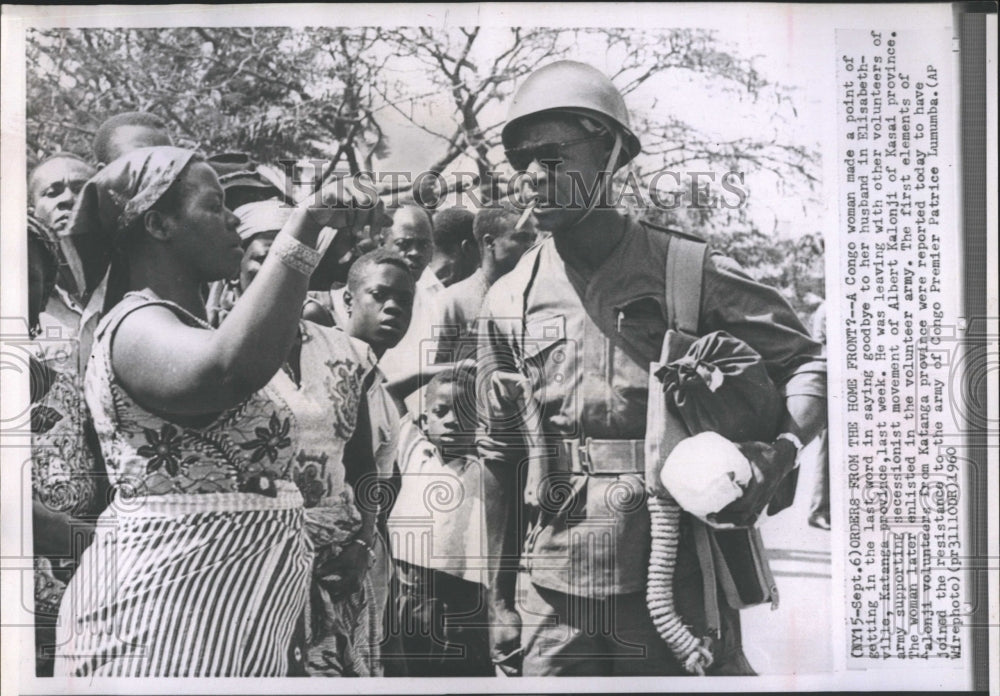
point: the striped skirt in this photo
(188, 585)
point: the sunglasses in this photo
(549, 154)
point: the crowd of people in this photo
(347, 440)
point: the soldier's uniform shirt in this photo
(586, 346)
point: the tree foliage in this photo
(275, 92)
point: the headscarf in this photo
(116, 197)
(260, 217)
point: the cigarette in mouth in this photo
(524, 216)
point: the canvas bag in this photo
(734, 558)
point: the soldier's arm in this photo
(760, 316)
(498, 441)
(806, 416)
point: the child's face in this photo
(382, 307)
(448, 424)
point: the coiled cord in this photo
(692, 653)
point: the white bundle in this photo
(705, 473)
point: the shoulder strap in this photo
(684, 270)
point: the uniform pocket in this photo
(542, 335)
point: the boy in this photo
(436, 528)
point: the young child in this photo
(437, 530)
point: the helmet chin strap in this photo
(604, 177)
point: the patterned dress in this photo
(65, 474)
(202, 563)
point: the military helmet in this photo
(572, 87)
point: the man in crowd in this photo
(53, 187)
(122, 133)
(570, 346)
(455, 254)
(71, 313)
(379, 299)
(63, 482)
(411, 236)
(500, 247)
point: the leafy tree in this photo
(274, 92)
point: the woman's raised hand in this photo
(347, 204)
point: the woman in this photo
(201, 565)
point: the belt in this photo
(602, 457)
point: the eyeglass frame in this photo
(532, 150)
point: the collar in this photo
(429, 281)
(68, 300)
(480, 277)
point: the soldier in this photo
(564, 352)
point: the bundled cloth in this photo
(721, 385)
(207, 585)
(721, 391)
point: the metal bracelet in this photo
(295, 254)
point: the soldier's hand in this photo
(507, 395)
(505, 639)
(770, 463)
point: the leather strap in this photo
(706, 560)
(684, 270)
(684, 274)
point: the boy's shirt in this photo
(437, 521)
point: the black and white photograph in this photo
(486, 346)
